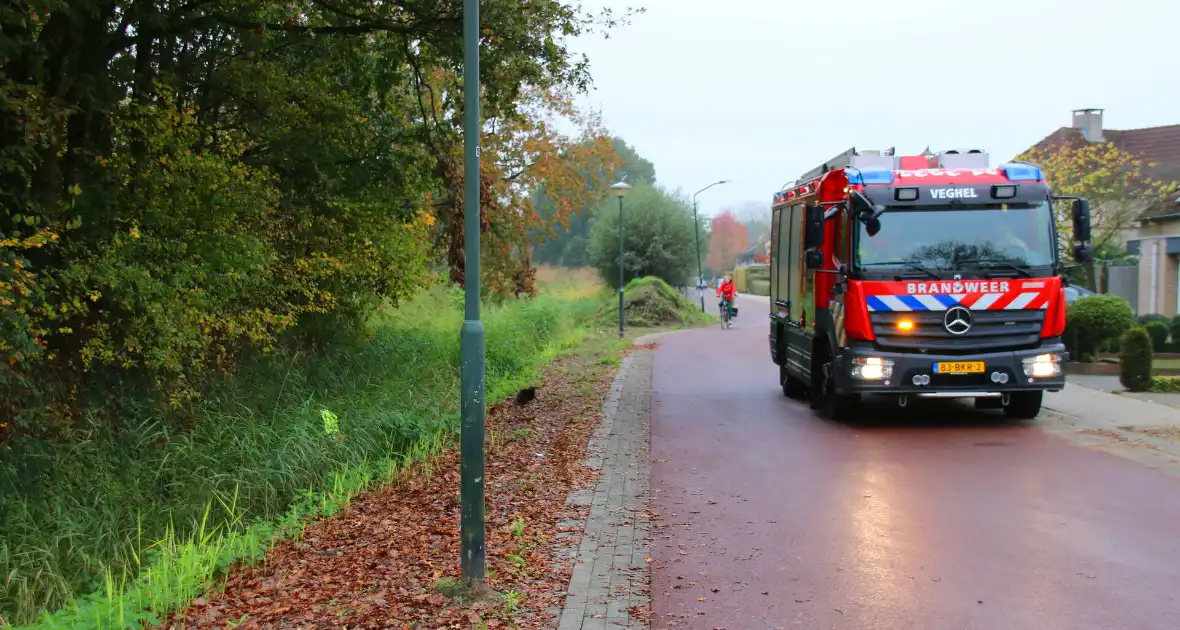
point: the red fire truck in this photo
(930, 276)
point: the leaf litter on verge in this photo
(376, 563)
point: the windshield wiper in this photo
(1003, 263)
(903, 263)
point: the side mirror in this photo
(1081, 220)
(814, 259)
(872, 225)
(860, 204)
(813, 229)
(1082, 253)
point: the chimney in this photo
(1089, 122)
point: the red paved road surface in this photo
(778, 519)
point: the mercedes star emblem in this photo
(957, 320)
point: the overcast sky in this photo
(759, 91)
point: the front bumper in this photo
(915, 374)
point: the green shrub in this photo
(1166, 384)
(1079, 348)
(1174, 328)
(1098, 320)
(1158, 331)
(758, 272)
(1153, 317)
(1135, 360)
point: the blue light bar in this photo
(1022, 173)
(869, 176)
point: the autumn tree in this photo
(566, 245)
(658, 237)
(755, 216)
(1117, 183)
(727, 239)
(521, 150)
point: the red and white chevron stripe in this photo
(1011, 301)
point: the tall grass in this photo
(576, 282)
(140, 504)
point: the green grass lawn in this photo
(1159, 364)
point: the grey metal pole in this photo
(696, 228)
(473, 561)
(620, 267)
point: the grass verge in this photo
(143, 518)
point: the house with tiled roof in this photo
(754, 255)
(1155, 236)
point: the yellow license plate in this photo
(959, 367)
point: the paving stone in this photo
(610, 574)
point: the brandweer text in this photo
(967, 286)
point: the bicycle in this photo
(726, 309)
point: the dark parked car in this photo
(1074, 292)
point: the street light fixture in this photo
(696, 226)
(620, 190)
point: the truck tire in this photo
(792, 387)
(1024, 405)
(824, 399)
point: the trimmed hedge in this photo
(1158, 331)
(1095, 321)
(1135, 360)
(1174, 328)
(740, 282)
(1153, 317)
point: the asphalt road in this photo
(935, 517)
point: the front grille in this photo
(990, 331)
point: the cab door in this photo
(841, 255)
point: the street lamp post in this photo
(696, 227)
(472, 561)
(620, 190)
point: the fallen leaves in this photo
(387, 560)
(1119, 437)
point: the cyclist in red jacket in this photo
(727, 293)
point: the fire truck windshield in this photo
(943, 238)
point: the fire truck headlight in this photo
(872, 368)
(1042, 366)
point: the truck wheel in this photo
(833, 406)
(792, 387)
(1024, 405)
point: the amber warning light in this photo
(905, 325)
